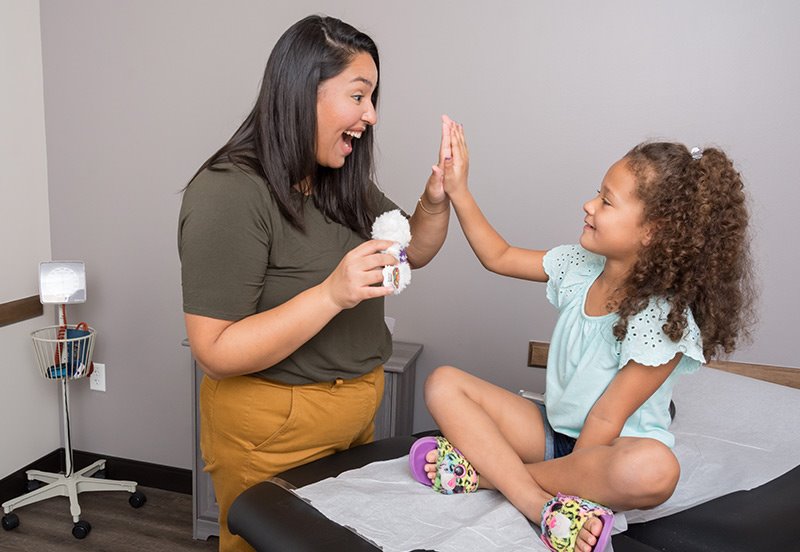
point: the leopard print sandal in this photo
(454, 474)
(563, 516)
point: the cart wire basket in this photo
(64, 352)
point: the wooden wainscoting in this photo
(19, 310)
(790, 377)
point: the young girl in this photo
(659, 284)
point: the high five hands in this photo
(456, 165)
(359, 272)
(453, 159)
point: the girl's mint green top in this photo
(585, 356)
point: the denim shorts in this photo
(556, 444)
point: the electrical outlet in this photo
(97, 380)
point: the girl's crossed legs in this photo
(503, 437)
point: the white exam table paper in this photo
(732, 433)
(383, 503)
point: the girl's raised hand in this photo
(354, 279)
(456, 169)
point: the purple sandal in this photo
(454, 474)
(563, 517)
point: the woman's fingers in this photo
(371, 246)
(445, 148)
(360, 269)
(369, 260)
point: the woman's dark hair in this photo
(699, 252)
(277, 140)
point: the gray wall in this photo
(138, 93)
(30, 408)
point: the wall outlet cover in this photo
(97, 380)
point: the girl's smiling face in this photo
(345, 110)
(614, 218)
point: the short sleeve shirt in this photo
(584, 355)
(240, 256)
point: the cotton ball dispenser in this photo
(393, 226)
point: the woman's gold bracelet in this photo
(422, 205)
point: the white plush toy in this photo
(392, 225)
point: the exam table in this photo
(271, 517)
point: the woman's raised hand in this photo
(456, 169)
(434, 189)
(354, 279)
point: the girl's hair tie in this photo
(696, 152)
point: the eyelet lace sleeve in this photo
(647, 344)
(569, 268)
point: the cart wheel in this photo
(137, 499)
(33, 484)
(10, 521)
(81, 529)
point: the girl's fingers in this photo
(459, 142)
(455, 143)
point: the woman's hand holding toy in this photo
(355, 277)
(393, 226)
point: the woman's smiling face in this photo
(344, 110)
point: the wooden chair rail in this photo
(537, 357)
(19, 310)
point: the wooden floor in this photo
(163, 524)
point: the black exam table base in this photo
(273, 519)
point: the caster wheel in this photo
(100, 474)
(10, 521)
(137, 499)
(81, 529)
(33, 484)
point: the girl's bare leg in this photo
(631, 473)
(502, 435)
(497, 431)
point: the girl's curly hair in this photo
(699, 252)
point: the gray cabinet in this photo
(396, 413)
(204, 504)
(395, 417)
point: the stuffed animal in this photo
(392, 225)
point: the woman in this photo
(281, 284)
